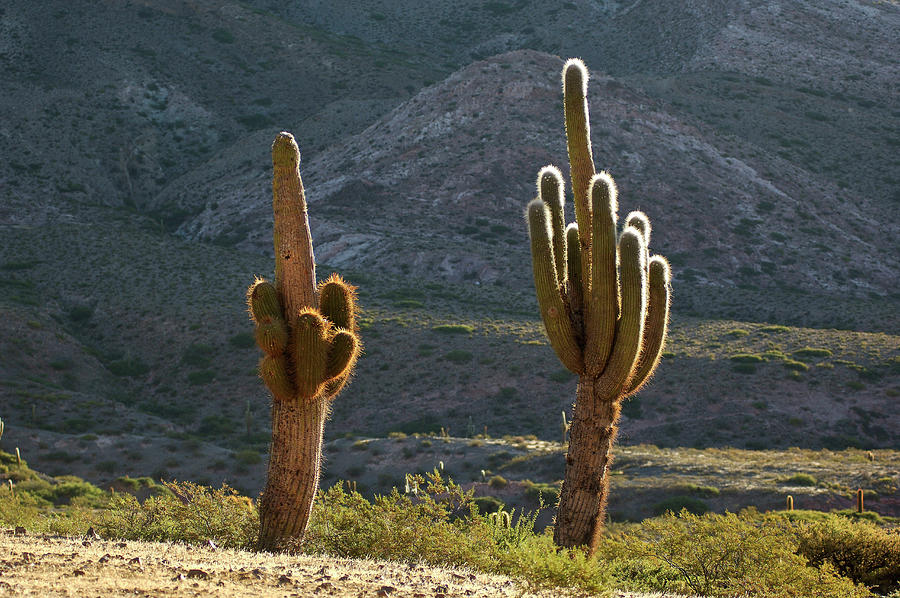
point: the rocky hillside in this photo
(134, 210)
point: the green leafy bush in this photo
(453, 328)
(801, 479)
(676, 504)
(859, 550)
(191, 514)
(812, 353)
(719, 555)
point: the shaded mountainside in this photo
(135, 208)
(464, 154)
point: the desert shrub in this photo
(859, 550)
(737, 333)
(775, 328)
(801, 479)
(811, 353)
(432, 527)
(793, 364)
(488, 504)
(242, 340)
(676, 504)
(543, 493)
(191, 514)
(19, 509)
(441, 526)
(248, 457)
(453, 328)
(746, 358)
(719, 555)
(498, 481)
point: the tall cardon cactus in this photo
(605, 306)
(310, 340)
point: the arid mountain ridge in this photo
(760, 138)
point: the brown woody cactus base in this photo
(605, 306)
(310, 340)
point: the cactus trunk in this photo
(582, 499)
(293, 476)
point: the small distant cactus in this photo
(790, 503)
(310, 340)
(2, 426)
(860, 496)
(605, 305)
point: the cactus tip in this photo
(575, 73)
(662, 264)
(640, 221)
(285, 151)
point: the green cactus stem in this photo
(310, 343)
(604, 301)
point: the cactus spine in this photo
(310, 342)
(605, 305)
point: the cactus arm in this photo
(553, 309)
(630, 326)
(656, 324)
(602, 310)
(295, 265)
(342, 353)
(551, 191)
(310, 352)
(274, 372)
(578, 143)
(337, 302)
(639, 220)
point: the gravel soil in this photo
(38, 565)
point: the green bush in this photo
(498, 481)
(746, 358)
(676, 504)
(453, 328)
(191, 514)
(808, 353)
(242, 340)
(793, 364)
(719, 555)
(800, 479)
(859, 550)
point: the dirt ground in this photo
(35, 565)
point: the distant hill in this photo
(134, 209)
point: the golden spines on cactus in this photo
(265, 310)
(337, 302)
(656, 323)
(274, 372)
(629, 328)
(601, 309)
(605, 306)
(553, 309)
(551, 191)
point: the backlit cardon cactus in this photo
(310, 340)
(605, 306)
